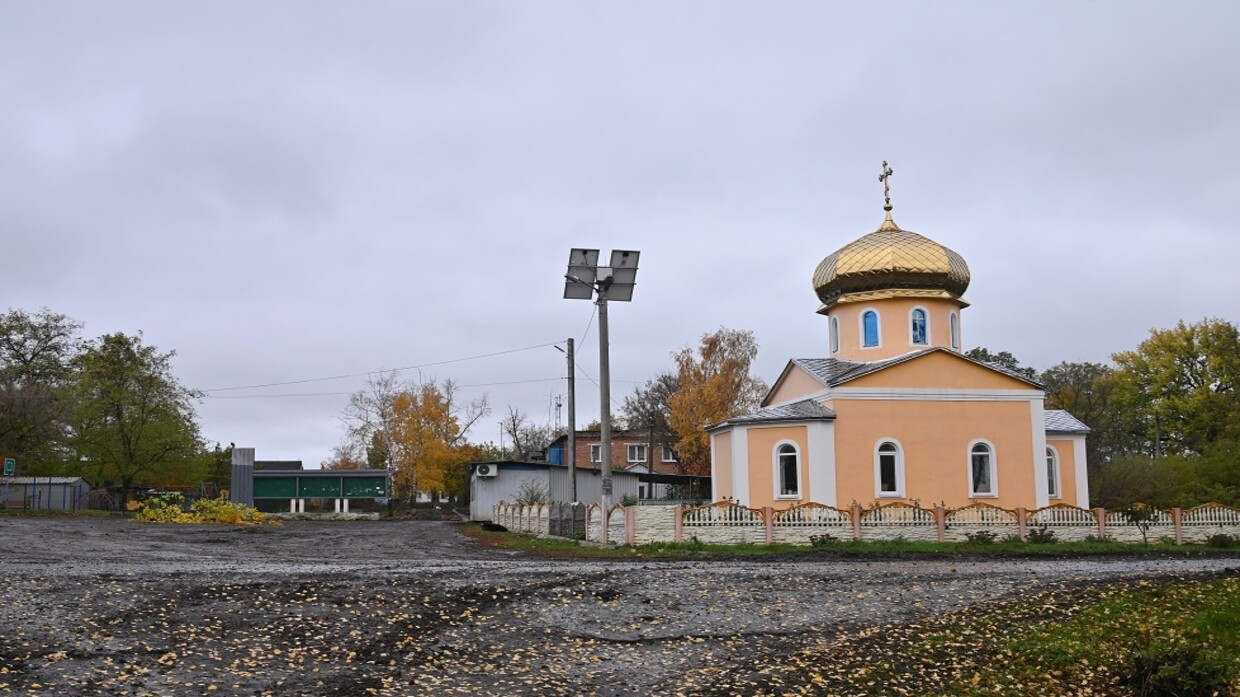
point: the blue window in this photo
(919, 326)
(869, 322)
(955, 331)
(835, 334)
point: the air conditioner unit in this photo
(486, 470)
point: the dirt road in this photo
(101, 606)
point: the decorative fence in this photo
(725, 522)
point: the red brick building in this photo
(629, 450)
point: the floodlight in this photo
(582, 273)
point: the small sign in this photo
(10, 467)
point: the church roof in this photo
(833, 371)
(889, 262)
(804, 410)
(1060, 421)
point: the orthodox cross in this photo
(884, 177)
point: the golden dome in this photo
(890, 262)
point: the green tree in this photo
(1002, 359)
(1180, 387)
(715, 384)
(131, 417)
(1086, 390)
(37, 353)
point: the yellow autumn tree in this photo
(427, 436)
(715, 384)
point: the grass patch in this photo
(1168, 637)
(1174, 639)
(564, 548)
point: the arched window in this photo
(835, 335)
(888, 470)
(919, 326)
(1052, 473)
(787, 472)
(982, 470)
(955, 331)
(869, 328)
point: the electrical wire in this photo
(345, 394)
(373, 372)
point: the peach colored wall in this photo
(797, 383)
(1067, 469)
(722, 469)
(939, 370)
(762, 465)
(894, 326)
(935, 436)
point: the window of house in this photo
(982, 470)
(787, 471)
(1052, 473)
(869, 328)
(919, 326)
(596, 452)
(955, 331)
(889, 469)
(637, 453)
(835, 335)
(669, 455)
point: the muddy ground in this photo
(103, 606)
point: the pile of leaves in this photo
(171, 508)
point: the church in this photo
(896, 412)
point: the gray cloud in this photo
(295, 190)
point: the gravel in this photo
(107, 606)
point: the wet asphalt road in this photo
(102, 606)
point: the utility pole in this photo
(615, 282)
(604, 394)
(572, 422)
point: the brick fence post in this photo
(768, 520)
(856, 520)
(630, 525)
(678, 526)
(1101, 515)
(940, 519)
(1022, 523)
(1177, 519)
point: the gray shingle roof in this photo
(804, 410)
(1060, 421)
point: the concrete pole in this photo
(572, 421)
(604, 390)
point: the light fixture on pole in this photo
(584, 280)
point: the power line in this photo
(344, 394)
(372, 372)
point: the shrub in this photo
(1183, 670)
(823, 540)
(532, 493)
(628, 500)
(982, 537)
(1222, 541)
(1040, 536)
(170, 508)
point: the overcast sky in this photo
(288, 191)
